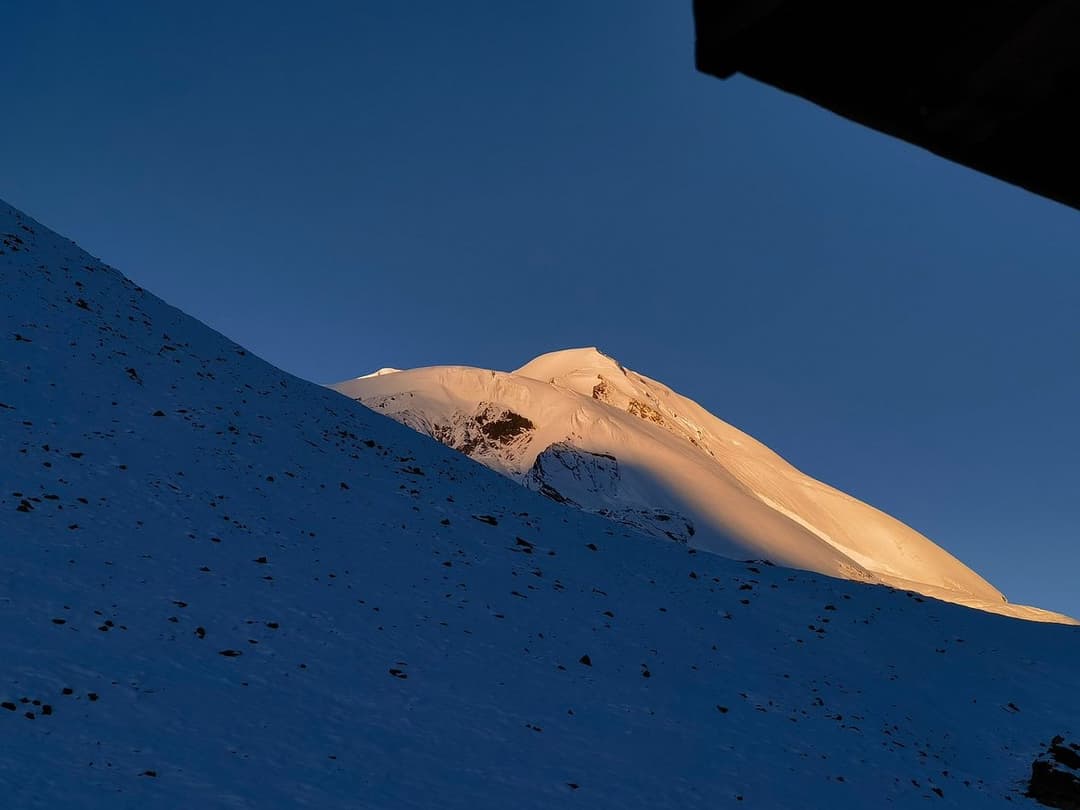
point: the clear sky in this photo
(346, 185)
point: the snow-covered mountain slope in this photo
(224, 587)
(582, 429)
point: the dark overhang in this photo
(991, 84)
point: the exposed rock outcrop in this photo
(1055, 776)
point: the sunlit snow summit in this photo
(582, 429)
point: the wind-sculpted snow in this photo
(669, 457)
(225, 587)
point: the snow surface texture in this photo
(224, 587)
(582, 429)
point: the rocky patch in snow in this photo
(1055, 776)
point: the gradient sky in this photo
(342, 186)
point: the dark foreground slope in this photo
(224, 587)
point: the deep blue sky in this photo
(342, 186)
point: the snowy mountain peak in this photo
(582, 429)
(569, 363)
